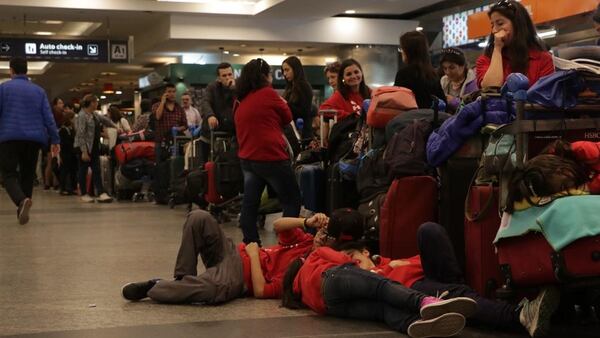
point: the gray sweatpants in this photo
(223, 279)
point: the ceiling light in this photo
(102, 97)
(52, 22)
(108, 73)
(236, 54)
(242, 2)
(225, 52)
(547, 34)
(118, 92)
(44, 33)
(243, 45)
(330, 60)
(284, 54)
(350, 11)
(419, 29)
(357, 46)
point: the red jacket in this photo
(588, 153)
(309, 278)
(259, 122)
(406, 275)
(344, 107)
(540, 64)
(275, 260)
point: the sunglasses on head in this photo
(508, 4)
(452, 51)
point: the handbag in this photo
(499, 157)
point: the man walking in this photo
(26, 124)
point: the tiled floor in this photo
(60, 276)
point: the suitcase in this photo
(229, 179)
(161, 182)
(106, 173)
(212, 195)
(311, 180)
(124, 187)
(341, 193)
(410, 202)
(125, 152)
(482, 271)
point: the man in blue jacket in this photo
(26, 124)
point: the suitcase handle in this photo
(468, 212)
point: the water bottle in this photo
(300, 126)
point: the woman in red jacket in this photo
(263, 150)
(513, 47)
(351, 90)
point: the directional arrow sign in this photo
(4, 47)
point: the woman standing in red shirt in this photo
(259, 121)
(351, 90)
(513, 47)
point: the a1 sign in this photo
(118, 52)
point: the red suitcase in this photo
(212, 196)
(410, 202)
(529, 260)
(125, 152)
(482, 270)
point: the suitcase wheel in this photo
(172, 203)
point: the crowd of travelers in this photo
(320, 262)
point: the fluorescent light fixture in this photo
(357, 46)
(44, 33)
(52, 22)
(330, 60)
(350, 11)
(243, 2)
(419, 29)
(102, 97)
(225, 52)
(547, 34)
(236, 54)
(118, 92)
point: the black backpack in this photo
(341, 138)
(405, 152)
(372, 178)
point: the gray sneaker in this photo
(535, 315)
(446, 325)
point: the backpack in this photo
(372, 177)
(387, 102)
(340, 138)
(405, 153)
(370, 211)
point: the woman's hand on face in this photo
(499, 38)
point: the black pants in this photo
(68, 170)
(442, 273)
(351, 292)
(17, 164)
(223, 279)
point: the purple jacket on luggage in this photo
(25, 113)
(455, 131)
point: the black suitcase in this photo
(341, 193)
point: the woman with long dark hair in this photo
(513, 47)
(298, 93)
(458, 79)
(351, 90)
(418, 74)
(259, 119)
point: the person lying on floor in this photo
(231, 271)
(331, 283)
(436, 272)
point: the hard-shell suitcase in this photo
(106, 173)
(311, 179)
(482, 270)
(410, 202)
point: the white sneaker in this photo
(104, 198)
(87, 199)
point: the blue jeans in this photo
(94, 163)
(351, 292)
(280, 176)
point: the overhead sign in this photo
(64, 50)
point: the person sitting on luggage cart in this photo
(436, 272)
(231, 271)
(263, 149)
(513, 47)
(217, 107)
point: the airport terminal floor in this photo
(62, 273)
